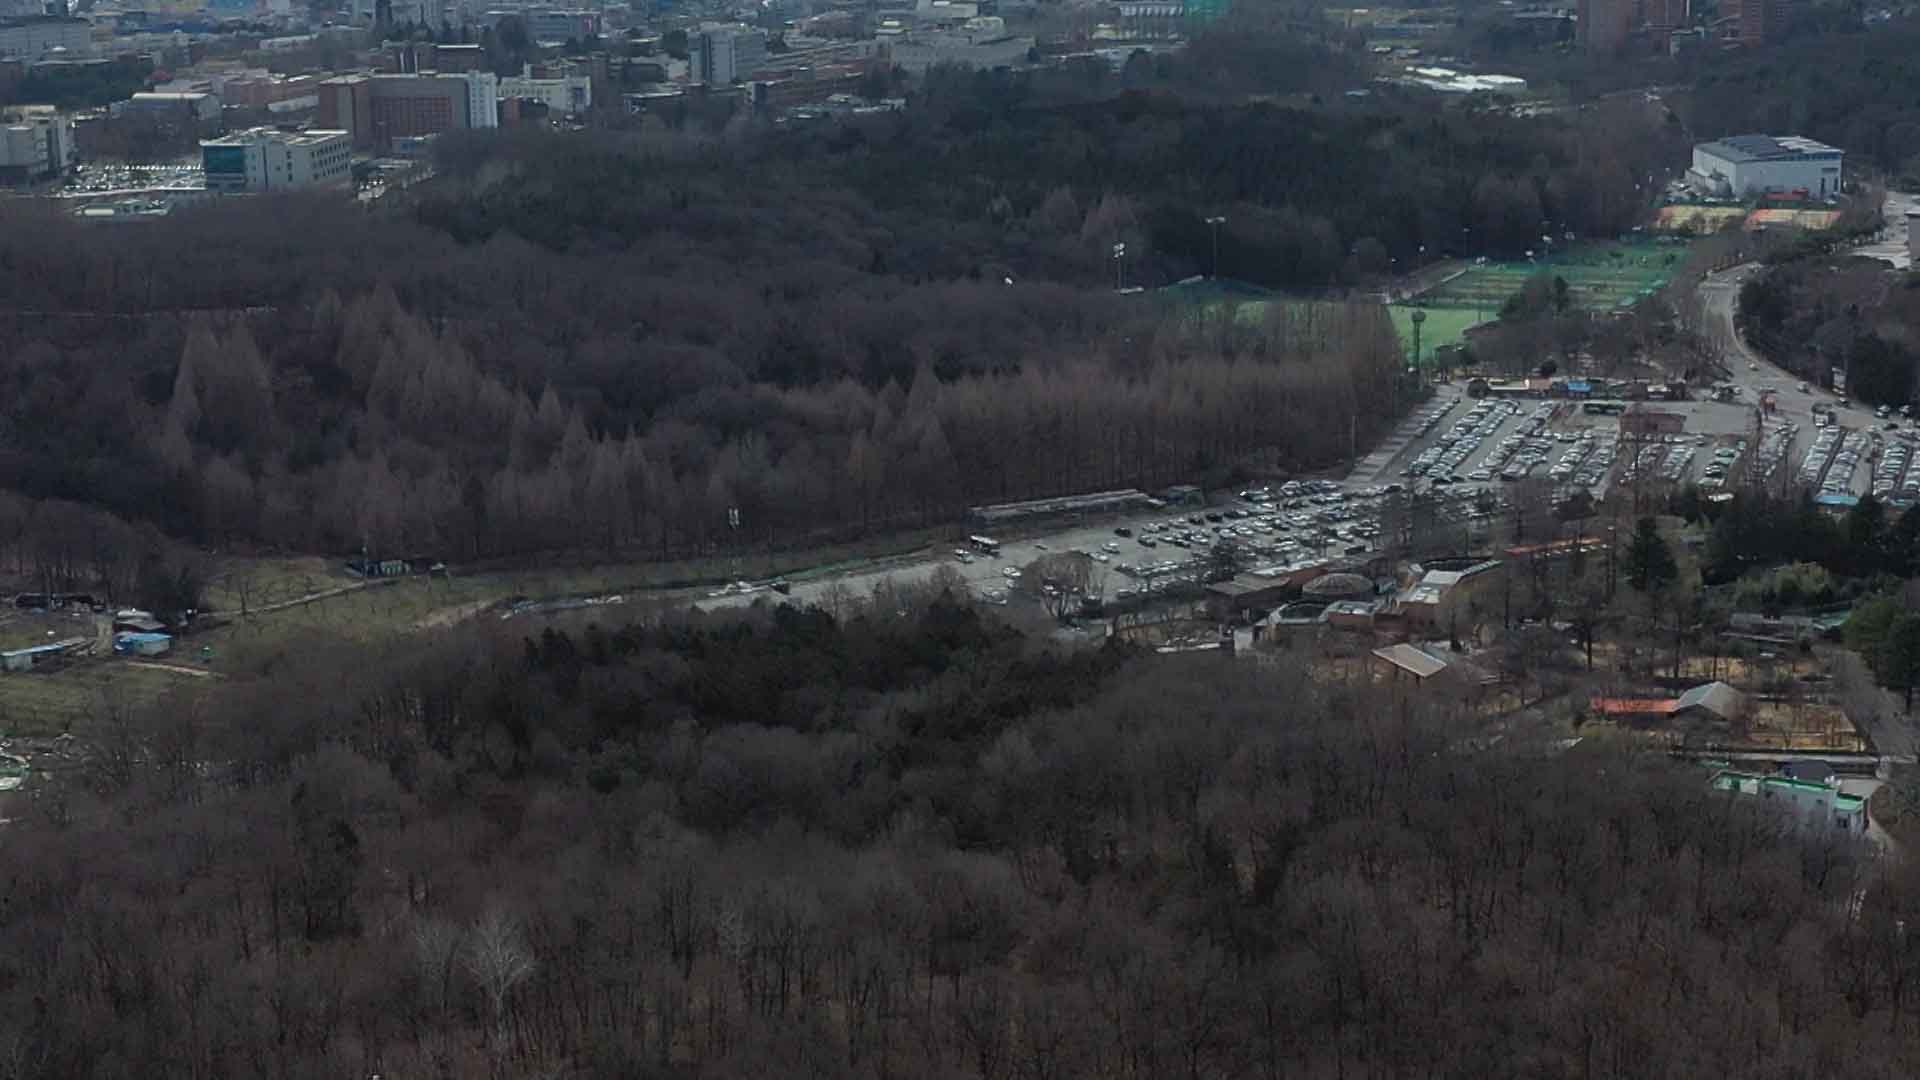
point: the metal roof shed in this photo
(1421, 665)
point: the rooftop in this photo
(1242, 585)
(1415, 662)
(1635, 706)
(1716, 697)
(1741, 149)
(1338, 584)
(1754, 783)
(313, 137)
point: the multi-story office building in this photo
(375, 110)
(36, 141)
(267, 159)
(37, 36)
(723, 55)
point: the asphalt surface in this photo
(1719, 296)
(1891, 247)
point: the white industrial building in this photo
(1742, 165)
(981, 42)
(723, 55)
(35, 141)
(35, 36)
(267, 159)
(567, 95)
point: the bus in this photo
(984, 545)
(1604, 408)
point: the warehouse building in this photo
(1743, 165)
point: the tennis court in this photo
(1599, 277)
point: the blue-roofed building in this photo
(139, 643)
(34, 655)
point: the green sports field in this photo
(1599, 277)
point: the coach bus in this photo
(984, 545)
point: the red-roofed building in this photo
(1627, 710)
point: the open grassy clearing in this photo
(81, 694)
(47, 702)
(1443, 326)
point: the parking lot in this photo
(1464, 442)
(1469, 452)
(103, 178)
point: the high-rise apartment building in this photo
(1603, 26)
(723, 55)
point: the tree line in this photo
(920, 844)
(499, 398)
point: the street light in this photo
(1119, 255)
(1215, 222)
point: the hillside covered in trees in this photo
(605, 341)
(915, 845)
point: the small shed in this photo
(142, 644)
(1406, 659)
(1714, 701)
(33, 656)
(137, 622)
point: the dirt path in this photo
(323, 594)
(459, 613)
(177, 669)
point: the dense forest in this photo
(1850, 85)
(1812, 315)
(915, 845)
(608, 340)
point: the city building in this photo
(267, 159)
(36, 141)
(981, 42)
(724, 55)
(175, 113)
(374, 110)
(264, 90)
(454, 59)
(1666, 14)
(35, 36)
(565, 95)
(1743, 165)
(561, 26)
(1818, 805)
(1755, 22)
(1603, 26)
(483, 98)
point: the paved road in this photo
(1719, 296)
(1891, 248)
